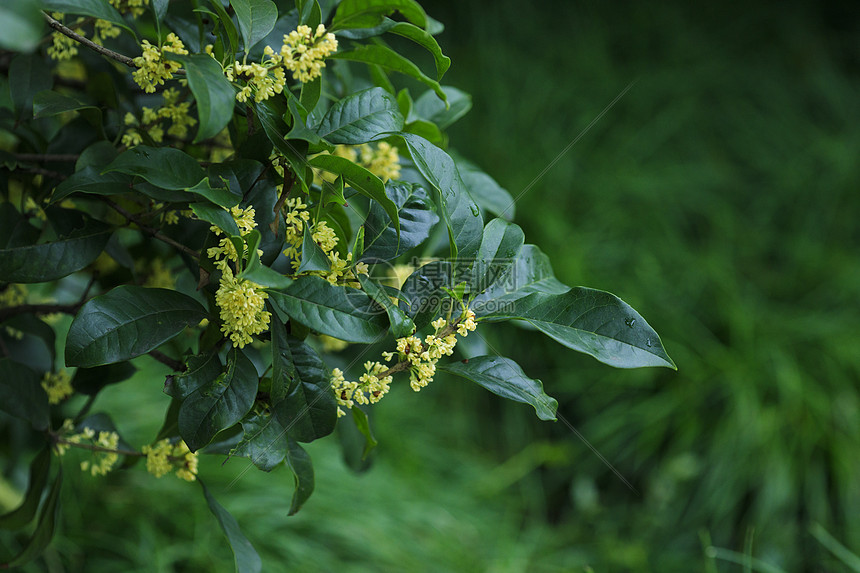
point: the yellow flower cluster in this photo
(103, 448)
(163, 457)
(173, 111)
(133, 7)
(62, 47)
(153, 68)
(382, 160)
(304, 52)
(241, 301)
(369, 389)
(105, 30)
(264, 79)
(420, 358)
(57, 386)
(159, 276)
(332, 344)
(13, 295)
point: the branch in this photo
(176, 365)
(70, 157)
(155, 233)
(7, 313)
(88, 43)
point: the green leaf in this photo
(54, 260)
(200, 369)
(370, 13)
(504, 377)
(309, 410)
(160, 8)
(387, 58)
(313, 257)
(416, 218)
(364, 116)
(303, 472)
(164, 167)
(91, 180)
(359, 179)
(229, 27)
(501, 243)
(363, 425)
(95, 8)
(28, 75)
(22, 395)
(126, 322)
(488, 194)
(271, 114)
(24, 513)
(310, 95)
(247, 560)
(90, 381)
(256, 19)
(531, 272)
(260, 274)
(222, 196)
(594, 322)
(217, 216)
(431, 108)
(22, 25)
(401, 325)
(44, 529)
(341, 312)
(264, 441)
(220, 403)
(49, 103)
(300, 129)
(284, 372)
(424, 291)
(461, 213)
(425, 40)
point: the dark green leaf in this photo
(247, 560)
(126, 322)
(90, 381)
(387, 58)
(431, 108)
(160, 8)
(303, 472)
(501, 243)
(361, 117)
(300, 129)
(96, 8)
(220, 403)
(22, 25)
(594, 322)
(308, 411)
(44, 529)
(401, 325)
(200, 369)
(359, 179)
(229, 27)
(370, 13)
(22, 395)
(48, 103)
(217, 216)
(51, 261)
(341, 312)
(424, 39)
(260, 274)
(310, 95)
(504, 377)
(222, 196)
(256, 19)
(24, 513)
(214, 93)
(416, 217)
(462, 216)
(423, 291)
(28, 75)
(283, 370)
(91, 180)
(313, 257)
(488, 194)
(264, 441)
(271, 113)
(363, 425)
(164, 167)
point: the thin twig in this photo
(155, 233)
(176, 365)
(88, 43)
(7, 313)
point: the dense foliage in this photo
(242, 200)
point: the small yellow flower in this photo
(58, 386)
(304, 51)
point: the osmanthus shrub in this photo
(240, 190)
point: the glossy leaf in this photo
(44, 531)
(401, 325)
(22, 395)
(264, 441)
(593, 322)
(217, 216)
(226, 22)
(220, 403)
(164, 167)
(428, 106)
(308, 411)
(340, 312)
(24, 513)
(54, 260)
(461, 213)
(27, 76)
(313, 257)
(90, 381)
(416, 217)
(387, 58)
(300, 464)
(246, 557)
(284, 371)
(256, 19)
(49, 103)
(271, 114)
(370, 13)
(91, 180)
(200, 369)
(22, 25)
(501, 243)
(219, 195)
(364, 116)
(126, 322)
(425, 40)
(488, 194)
(423, 291)
(504, 377)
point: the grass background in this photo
(719, 197)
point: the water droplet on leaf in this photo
(475, 211)
(631, 322)
(648, 343)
